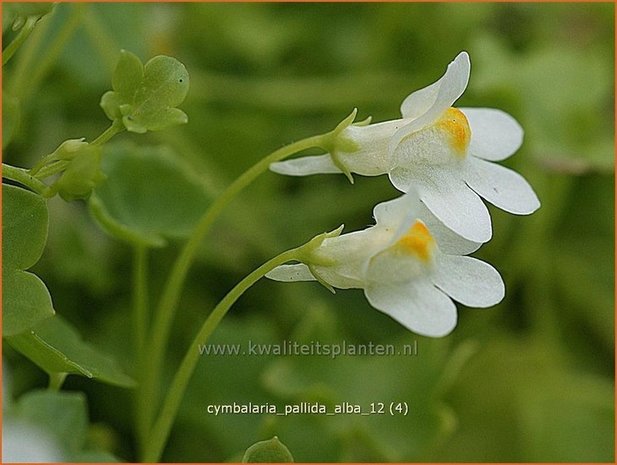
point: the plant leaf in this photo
(150, 194)
(63, 414)
(128, 75)
(25, 299)
(145, 97)
(270, 451)
(56, 347)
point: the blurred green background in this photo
(529, 380)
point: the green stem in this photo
(22, 176)
(42, 171)
(140, 327)
(115, 128)
(161, 428)
(56, 380)
(25, 32)
(140, 296)
(171, 294)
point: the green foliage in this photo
(270, 451)
(25, 298)
(56, 347)
(145, 96)
(529, 380)
(64, 416)
(14, 15)
(129, 206)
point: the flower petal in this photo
(305, 166)
(501, 186)
(426, 105)
(449, 199)
(495, 135)
(417, 305)
(398, 212)
(447, 240)
(290, 273)
(442, 93)
(468, 280)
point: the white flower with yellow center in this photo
(409, 264)
(445, 153)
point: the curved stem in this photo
(171, 294)
(22, 176)
(25, 32)
(161, 428)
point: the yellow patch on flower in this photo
(455, 124)
(417, 241)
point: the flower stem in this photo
(161, 428)
(56, 380)
(22, 176)
(24, 33)
(115, 128)
(171, 293)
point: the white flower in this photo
(445, 153)
(409, 265)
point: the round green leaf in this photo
(149, 194)
(270, 451)
(25, 299)
(56, 347)
(24, 229)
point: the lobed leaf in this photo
(145, 97)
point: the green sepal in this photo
(81, 176)
(335, 143)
